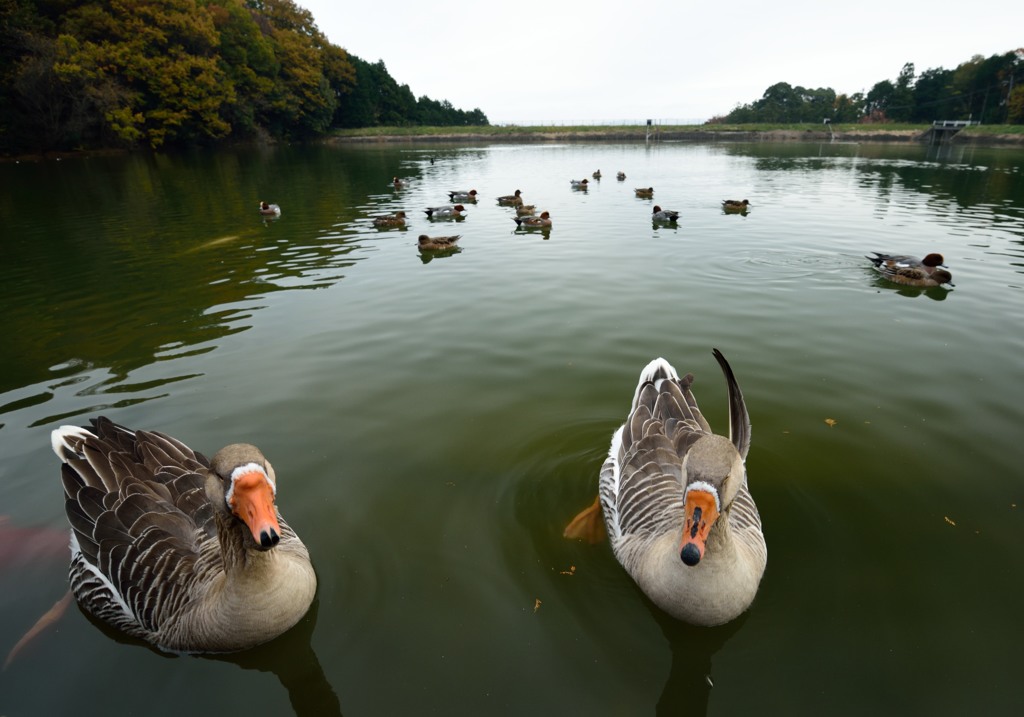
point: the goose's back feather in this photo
(641, 480)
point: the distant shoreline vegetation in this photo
(163, 74)
(985, 91)
(890, 132)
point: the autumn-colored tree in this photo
(160, 58)
(81, 73)
(248, 60)
(301, 101)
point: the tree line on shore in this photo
(160, 73)
(987, 90)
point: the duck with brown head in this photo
(542, 221)
(664, 216)
(735, 206)
(511, 200)
(386, 221)
(428, 243)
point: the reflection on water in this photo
(436, 419)
(691, 677)
(428, 256)
(290, 658)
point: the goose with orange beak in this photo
(186, 553)
(675, 501)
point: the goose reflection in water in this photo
(293, 661)
(290, 658)
(690, 679)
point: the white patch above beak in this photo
(245, 470)
(707, 488)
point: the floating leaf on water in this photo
(949, 520)
(570, 571)
(536, 605)
(830, 422)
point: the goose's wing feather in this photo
(641, 481)
(139, 519)
(746, 522)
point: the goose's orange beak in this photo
(701, 513)
(252, 500)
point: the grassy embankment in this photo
(790, 131)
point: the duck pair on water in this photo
(911, 271)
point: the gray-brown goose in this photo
(676, 504)
(186, 553)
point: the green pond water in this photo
(435, 422)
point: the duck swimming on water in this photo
(390, 220)
(511, 200)
(664, 216)
(735, 205)
(448, 211)
(544, 220)
(427, 243)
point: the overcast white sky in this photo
(559, 61)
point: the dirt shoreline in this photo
(700, 135)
